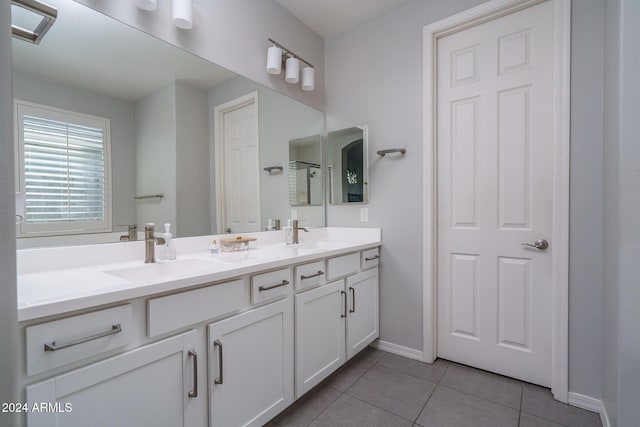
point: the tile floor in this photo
(379, 389)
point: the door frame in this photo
(487, 12)
(218, 119)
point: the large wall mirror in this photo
(160, 102)
(347, 165)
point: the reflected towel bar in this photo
(152, 196)
(391, 150)
(274, 168)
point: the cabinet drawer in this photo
(370, 258)
(308, 275)
(268, 286)
(57, 343)
(343, 265)
(176, 311)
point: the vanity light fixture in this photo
(183, 14)
(149, 5)
(278, 55)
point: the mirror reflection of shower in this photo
(305, 171)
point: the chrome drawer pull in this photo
(344, 304)
(372, 258)
(53, 346)
(319, 273)
(194, 392)
(219, 380)
(267, 288)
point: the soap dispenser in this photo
(288, 232)
(169, 252)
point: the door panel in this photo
(494, 154)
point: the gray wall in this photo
(192, 161)
(8, 298)
(156, 157)
(621, 389)
(233, 34)
(119, 112)
(384, 90)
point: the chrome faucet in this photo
(132, 235)
(150, 242)
(295, 231)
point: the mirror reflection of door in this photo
(352, 184)
(237, 163)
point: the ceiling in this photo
(330, 17)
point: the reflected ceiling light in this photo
(183, 14)
(277, 55)
(150, 5)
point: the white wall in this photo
(382, 87)
(8, 298)
(233, 34)
(621, 390)
(586, 198)
(120, 114)
(192, 161)
(156, 157)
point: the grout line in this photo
(520, 409)
(478, 397)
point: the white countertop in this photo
(58, 280)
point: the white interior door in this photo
(238, 196)
(495, 165)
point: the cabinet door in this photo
(320, 334)
(251, 366)
(148, 386)
(362, 316)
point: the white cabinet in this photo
(320, 334)
(251, 366)
(333, 323)
(362, 316)
(154, 385)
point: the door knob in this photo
(540, 244)
(228, 230)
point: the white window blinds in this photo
(64, 171)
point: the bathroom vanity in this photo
(225, 339)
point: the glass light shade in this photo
(308, 78)
(293, 70)
(274, 60)
(183, 14)
(147, 4)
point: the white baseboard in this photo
(400, 350)
(591, 404)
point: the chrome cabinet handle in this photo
(353, 299)
(194, 392)
(344, 304)
(319, 273)
(54, 347)
(266, 288)
(540, 244)
(220, 378)
(372, 258)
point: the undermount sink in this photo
(161, 270)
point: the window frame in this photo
(24, 229)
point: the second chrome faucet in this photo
(150, 241)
